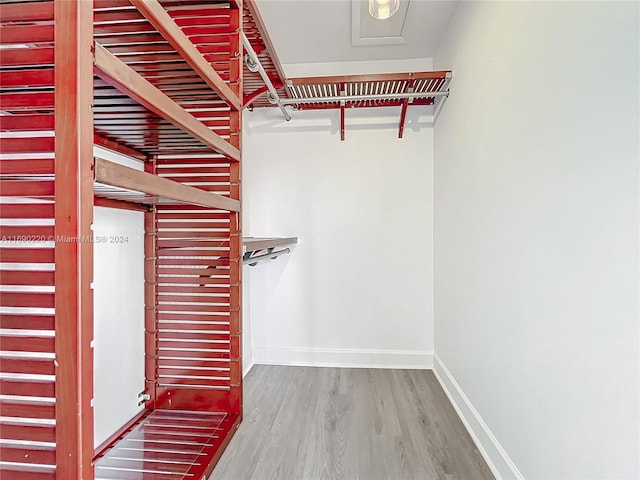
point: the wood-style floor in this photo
(304, 423)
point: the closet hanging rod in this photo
(253, 260)
(358, 98)
(267, 81)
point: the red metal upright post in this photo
(151, 297)
(235, 243)
(73, 248)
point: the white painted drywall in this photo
(118, 290)
(118, 318)
(118, 294)
(357, 288)
(118, 158)
(247, 350)
(536, 233)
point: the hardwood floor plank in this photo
(303, 423)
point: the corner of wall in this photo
(247, 365)
(496, 457)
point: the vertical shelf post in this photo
(235, 243)
(73, 245)
(150, 297)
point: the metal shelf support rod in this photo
(253, 260)
(267, 81)
(358, 98)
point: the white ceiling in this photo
(320, 31)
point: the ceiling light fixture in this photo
(383, 9)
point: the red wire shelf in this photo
(167, 445)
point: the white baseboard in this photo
(496, 457)
(340, 357)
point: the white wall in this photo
(118, 289)
(247, 351)
(118, 318)
(357, 289)
(536, 235)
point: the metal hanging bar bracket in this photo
(143, 397)
(253, 63)
(252, 261)
(438, 107)
(410, 90)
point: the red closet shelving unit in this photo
(159, 81)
